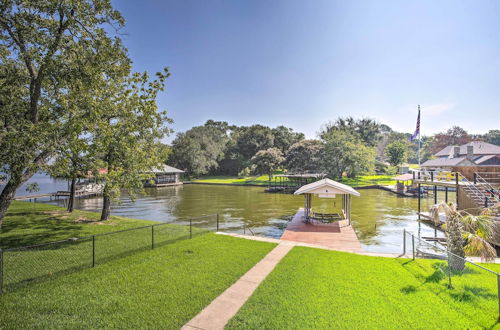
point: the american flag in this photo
(417, 130)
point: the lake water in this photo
(378, 216)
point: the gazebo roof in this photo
(326, 186)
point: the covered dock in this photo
(329, 230)
(289, 183)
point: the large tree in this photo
(304, 156)
(53, 57)
(493, 137)
(454, 136)
(200, 149)
(397, 153)
(366, 129)
(128, 137)
(254, 138)
(284, 137)
(267, 161)
(345, 152)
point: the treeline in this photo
(346, 146)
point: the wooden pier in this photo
(338, 236)
(57, 195)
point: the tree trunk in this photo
(71, 201)
(106, 206)
(9, 192)
(455, 243)
(6, 197)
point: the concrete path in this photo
(316, 246)
(224, 307)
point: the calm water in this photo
(378, 216)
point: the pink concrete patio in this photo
(337, 236)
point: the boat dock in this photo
(338, 235)
(57, 195)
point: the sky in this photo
(304, 63)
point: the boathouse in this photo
(164, 175)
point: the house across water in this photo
(475, 153)
(164, 175)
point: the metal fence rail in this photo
(29, 264)
(421, 249)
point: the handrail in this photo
(488, 186)
(470, 188)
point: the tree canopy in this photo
(304, 156)
(345, 152)
(54, 56)
(397, 153)
(267, 161)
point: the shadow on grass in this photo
(87, 263)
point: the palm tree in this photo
(468, 234)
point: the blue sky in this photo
(303, 63)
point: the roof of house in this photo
(326, 186)
(482, 159)
(438, 162)
(480, 148)
(166, 169)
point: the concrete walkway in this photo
(224, 307)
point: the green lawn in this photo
(254, 180)
(360, 181)
(313, 288)
(161, 288)
(34, 223)
(132, 286)
(370, 180)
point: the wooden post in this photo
(418, 193)
(446, 194)
(435, 194)
(456, 184)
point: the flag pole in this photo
(418, 152)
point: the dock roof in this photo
(327, 186)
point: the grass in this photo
(359, 181)
(313, 288)
(161, 288)
(370, 180)
(35, 223)
(254, 180)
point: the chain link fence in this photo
(29, 264)
(460, 282)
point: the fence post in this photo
(1, 271)
(93, 250)
(485, 201)
(152, 237)
(449, 270)
(432, 176)
(217, 221)
(475, 178)
(190, 228)
(404, 241)
(413, 245)
(498, 292)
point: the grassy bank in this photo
(160, 288)
(35, 223)
(314, 288)
(360, 181)
(262, 180)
